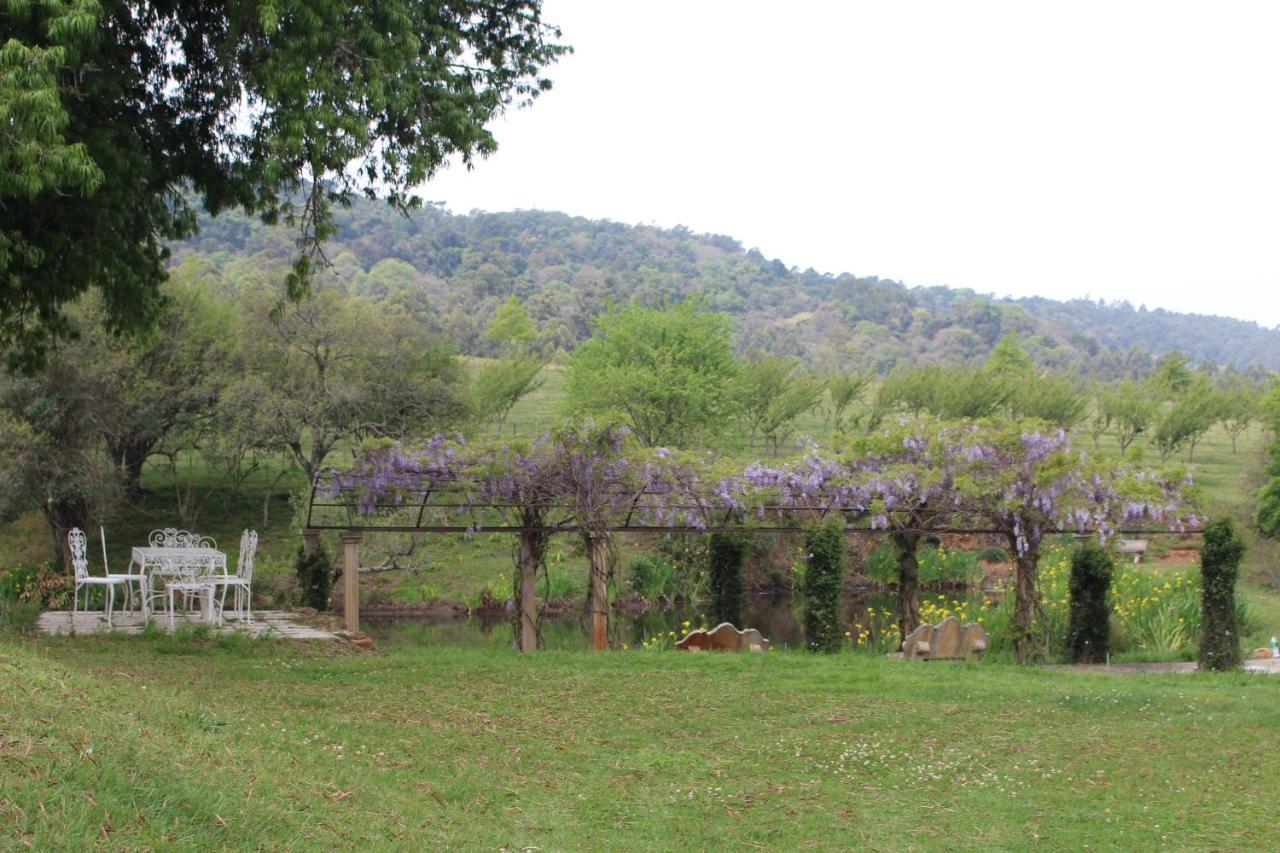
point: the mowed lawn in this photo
(184, 743)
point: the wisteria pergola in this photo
(588, 482)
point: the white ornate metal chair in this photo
(241, 581)
(187, 578)
(172, 537)
(80, 564)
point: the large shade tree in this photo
(338, 370)
(113, 111)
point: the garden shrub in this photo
(315, 577)
(650, 576)
(993, 554)
(1220, 557)
(44, 586)
(823, 577)
(561, 583)
(725, 552)
(1089, 587)
(17, 584)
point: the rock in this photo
(723, 637)
(356, 638)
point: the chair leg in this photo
(111, 602)
(170, 609)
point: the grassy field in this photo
(158, 742)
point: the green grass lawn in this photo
(155, 742)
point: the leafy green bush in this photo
(725, 554)
(1220, 557)
(992, 554)
(315, 577)
(1089, 630)
(823, 578)
(44, 586)
(562, 584)
(17, 583)
(650, 576)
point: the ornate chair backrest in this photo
(248, 548)
(181, 570)
(79, 561)
(171, 537)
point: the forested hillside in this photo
(454, 270)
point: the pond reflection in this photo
(777, 617)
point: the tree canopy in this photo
(666, 373)
(111, 113)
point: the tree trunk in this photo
(131, 455)
(1026, 603)
(266, 500)
(531, 544)
(62, 515)
(597, 590)
(908, 583)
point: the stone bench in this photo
(723, 637)
(1136, 547)
(948, 640)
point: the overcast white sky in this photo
(1122, 150)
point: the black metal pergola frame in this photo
(352, 524)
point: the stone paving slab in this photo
(1266, 666)
(277, 623)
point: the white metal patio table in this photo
(183, 568)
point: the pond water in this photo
(777, 617)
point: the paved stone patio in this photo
(1268, 666)
(278, 623)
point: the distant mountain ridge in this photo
(456, 268)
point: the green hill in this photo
(456, 269)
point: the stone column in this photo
(351, 578)
(597, 591)
(528, 599)
(310, 541)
